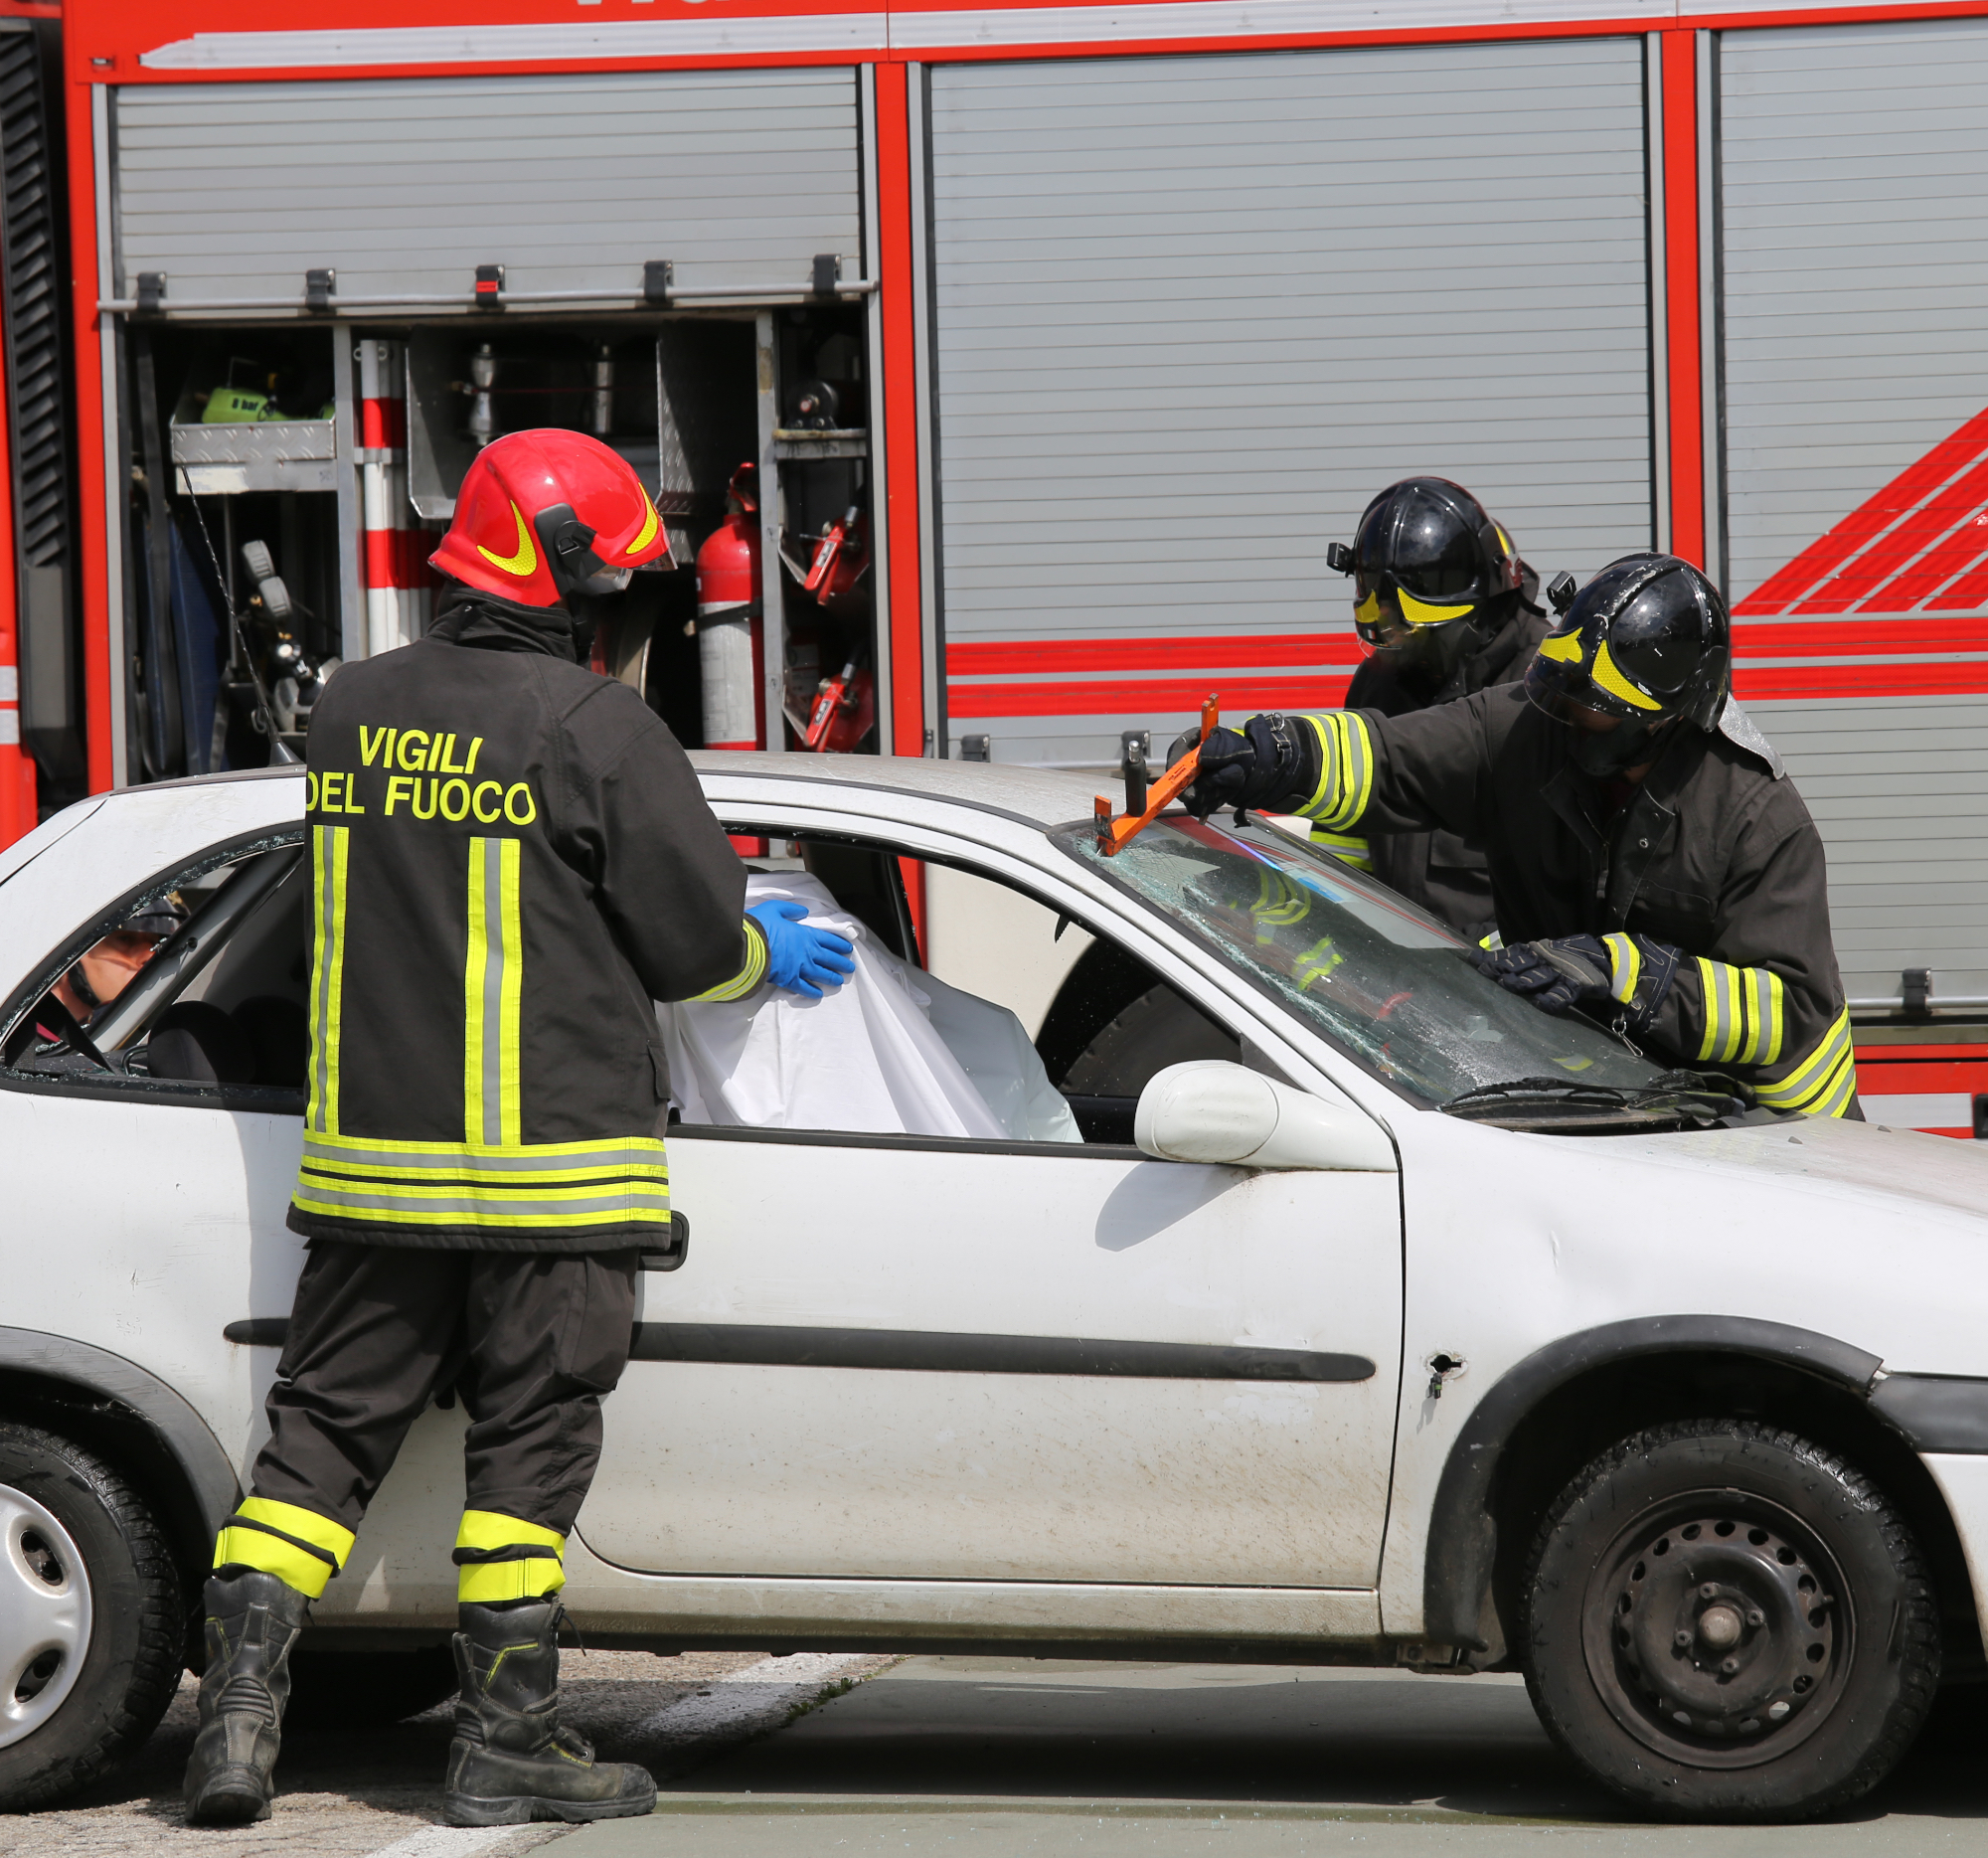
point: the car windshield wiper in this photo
(1672, 1085)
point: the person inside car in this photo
(103, 971)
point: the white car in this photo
(1417, 1327)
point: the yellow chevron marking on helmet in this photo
(525, 560)
(1563, 647)
(1605, 674)
(1368, 612)
(1504, 541)
(648, 534)
(1421, 613)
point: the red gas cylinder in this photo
(729, 636)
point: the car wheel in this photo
(361, 1690)
(90, 1621)
(1726, 1621)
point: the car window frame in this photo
(888, 837)
(121, 1086)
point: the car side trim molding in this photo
(1947, 1412)
(1463, 1536)
(759, 1345)
(208, 1470)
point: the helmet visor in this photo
(1387, 609)
(1562, 678)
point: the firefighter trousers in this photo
(529, 1342)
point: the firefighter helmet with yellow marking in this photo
(1427, 558)
(546, 513)
(1646, 640)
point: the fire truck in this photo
(1009, 364)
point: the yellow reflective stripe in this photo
(1607, 676)
(1348, 847)
(1422, 613)
(1820, 1076)
(749, 976)
(1279, 904)
(1764, 996)
(492, 992)
(306, 1525)
(1625, 966)
(492, 1529)
(1774, 1019)
(1346, 770)
(1841, 1087)
(1563, 647)
(490, 1584)
(329, 848)
(617, 1151)
(1708, 993)
(374, 1210)
(553, 1177)
(267, 1554)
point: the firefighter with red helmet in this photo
(510, 859)
(1441, 595)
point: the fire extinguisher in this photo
(731, 635)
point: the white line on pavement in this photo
(757, 1697)
(445, 1842)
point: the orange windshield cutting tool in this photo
(1115, 832)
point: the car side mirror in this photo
(1213, 1111)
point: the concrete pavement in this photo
(1012, 1757)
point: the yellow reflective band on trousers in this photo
(1346, 770)
(1824, 1081)
(1745, 1012)
(1625, 966)
(524, 1577)
(1348, 847)
(492, 990)
(749, 976)
(280, 1539)
(329, 848)
(557, 1186)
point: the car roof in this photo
(1044, 796)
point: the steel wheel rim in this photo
(1717, 1630)
(45, 1615)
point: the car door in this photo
(921, 1357)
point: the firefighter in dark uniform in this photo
(1440, 593)
(1650, 862)
(510, 858)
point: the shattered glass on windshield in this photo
(1380, 978)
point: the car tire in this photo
(1723, 1621)
(91, 1624)
(361, 1690)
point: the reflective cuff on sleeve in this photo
(749, 976)
(1822, 1083)
(1349, 847)
(1346, 770)
(299, 1547)
(1744, 1011)
(500, 1558)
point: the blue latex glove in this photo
(801, 958)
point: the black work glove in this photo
(1557, 975)
(1264, 763)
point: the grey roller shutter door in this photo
(1854, 184)
(1192, 312)
(406, 185)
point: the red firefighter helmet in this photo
(542, 513)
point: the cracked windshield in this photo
(1373, 973)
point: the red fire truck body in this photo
(1071, 333)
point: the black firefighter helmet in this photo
(1647, 641)
(1431, 568)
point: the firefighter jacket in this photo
(1709, 887)
(1436, 869)
(510, 858)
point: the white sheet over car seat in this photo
(892, 1051)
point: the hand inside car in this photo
(799, 957)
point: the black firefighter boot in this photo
(253, 1620)
(511, 1762)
